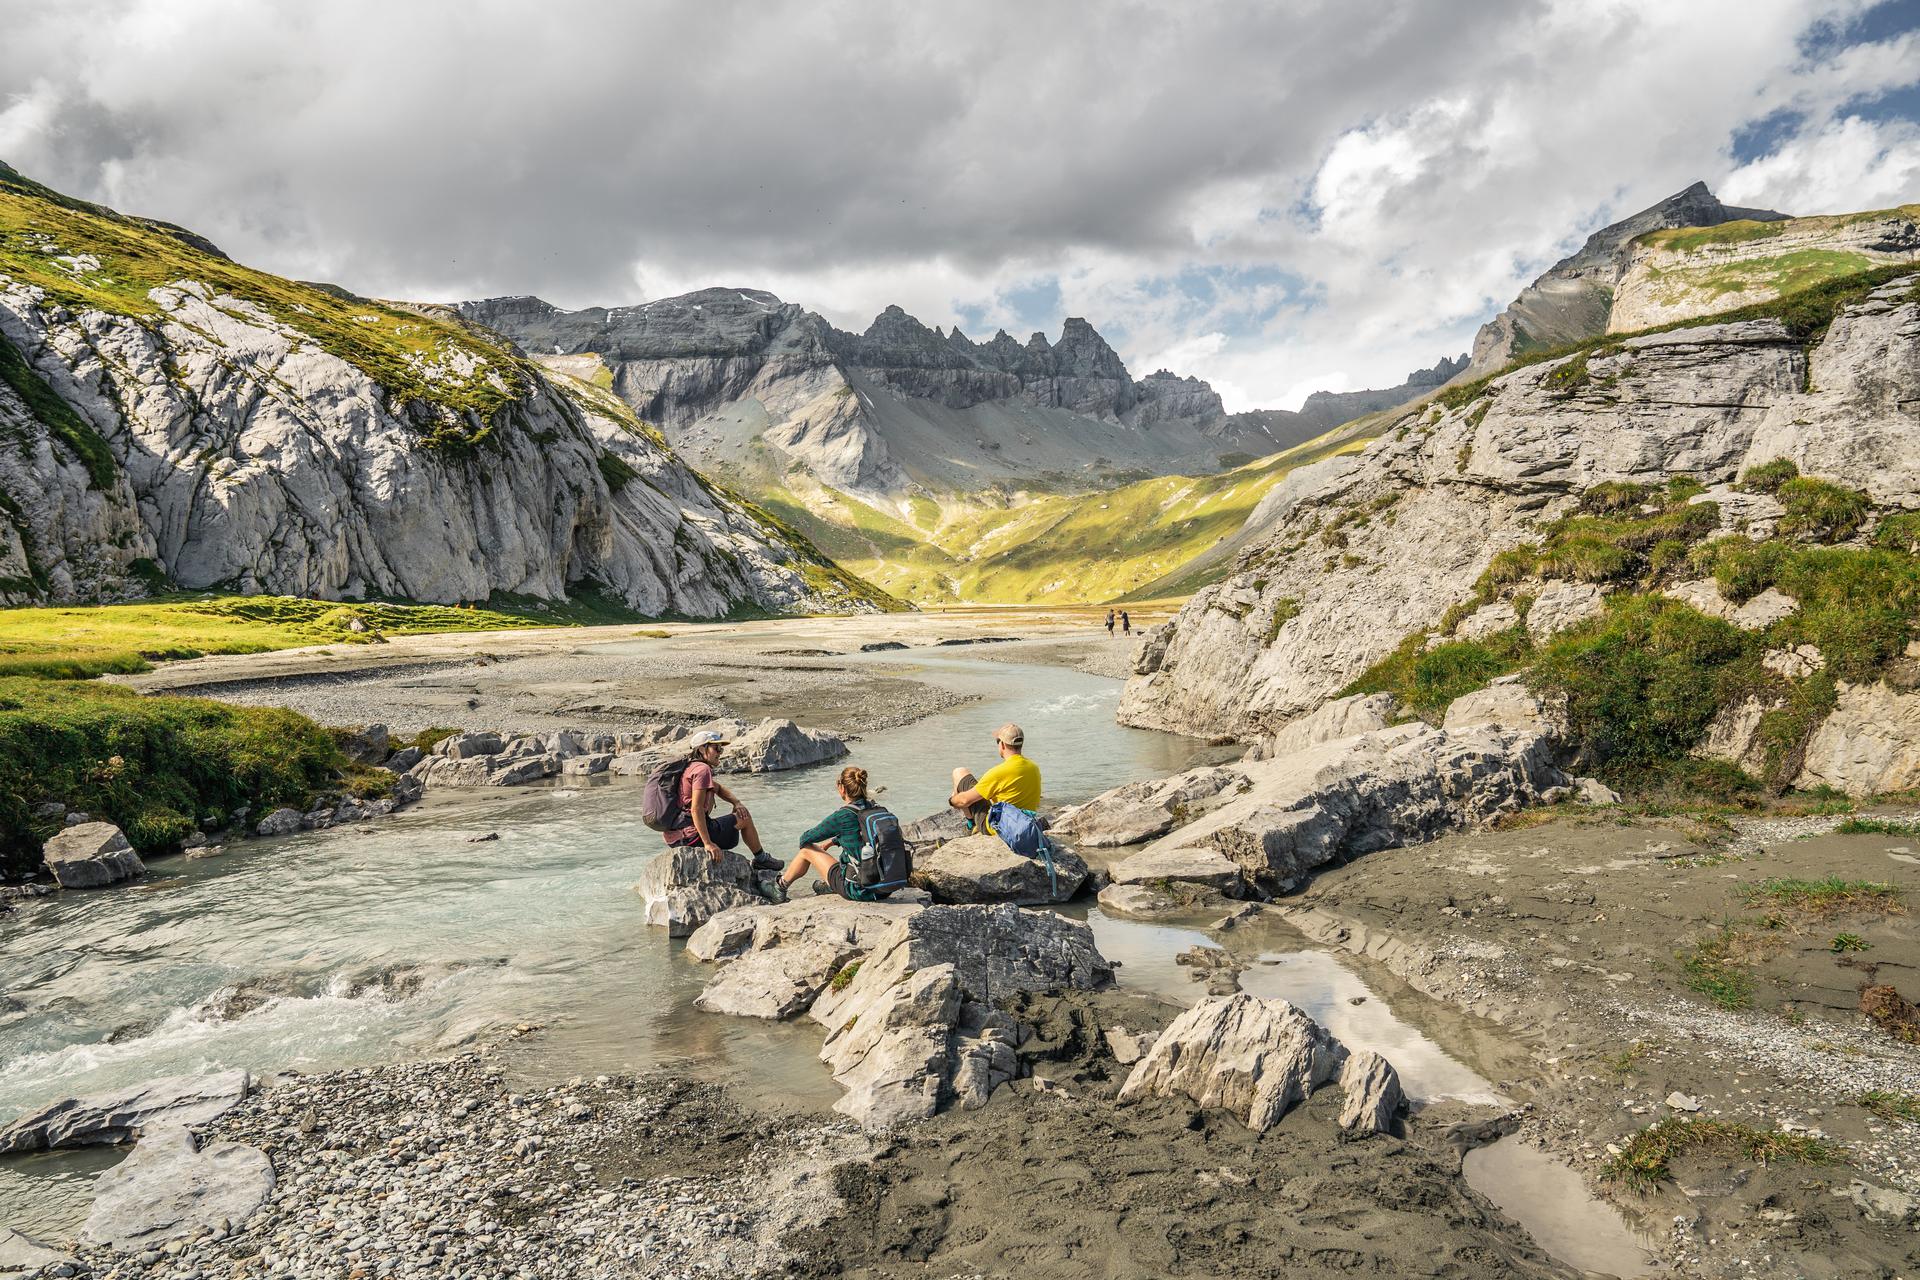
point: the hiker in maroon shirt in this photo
(698, 787)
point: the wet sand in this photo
(608, 677)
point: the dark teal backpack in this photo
(882, 863)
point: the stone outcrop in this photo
(478, 759)
(1561, 605)
(983, 869)
(1140, 811)
(1257, 1059)
(1377, 790)
(775, 959)
(127, 1114)
(1341, 718)
(281, 438)
(173, 1187)
(684, 888)
(1868, 744)
(1160, 899)
(1447, 487)
(1671, 278)
(918, 1027)
(1206, 867)
(91, 855)
(1506, 704)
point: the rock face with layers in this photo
(172, 1187)
(216, 427)
(1289, 627)
(684, 888)
(982, 869)
(481, 759)
(918, 1027)
(1140, 811)
(1574, 299)
(1869, 743)
(125, 1115)
(91, 855)
(1372, 791)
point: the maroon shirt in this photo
(699, 774)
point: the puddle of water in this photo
(1552, 1202)
(1315, 982)
(47, 1195)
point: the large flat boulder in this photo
(982, 869)
(1161, 899)
(1158, 865)
(171, 1187)
(1141, 811)
(1506, 704)
(685, 888)
(779, 982)
(1255, 1058)
(23, 1255)
(125, 1114)
(91, 855)
(740, 930)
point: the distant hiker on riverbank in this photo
(687, 789)
(1126, 624)
(1109, 622)
(856, 850)
(1015, 780)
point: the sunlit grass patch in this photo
(1831, 896)
(1645, 1160)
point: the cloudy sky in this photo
(1276, 197)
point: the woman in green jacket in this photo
(839, 830)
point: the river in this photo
(414, 935)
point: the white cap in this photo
(707, 738)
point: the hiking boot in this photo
(764, 861)
(821, 886)
(772, 890)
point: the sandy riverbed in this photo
(592, 677)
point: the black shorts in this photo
(724, 828)
(837, 879)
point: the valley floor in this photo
(587, 677)
(1606, 971)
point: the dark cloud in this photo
(1406, 164)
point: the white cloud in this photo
(1338, 193)
(1834, 167)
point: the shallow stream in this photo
(412, 935)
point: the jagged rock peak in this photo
(1443, 371)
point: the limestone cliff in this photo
(1359, 551)
(1574, 298)
(1680, 274)
(171, 417)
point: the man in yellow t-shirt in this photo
(1015, 779)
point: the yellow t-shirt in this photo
(1015, 780)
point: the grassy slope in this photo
(1038, 548)
(44, 235)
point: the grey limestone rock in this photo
(172, 1187)
(1868, 744)
(1373, 1095)
(917, 1027)
(124, 1115)
(780, 744)
(982, 869)
(1560, 605)
(91, 855)
(1142, 810)
(1255, 1058)
(280, 822)
(1206, 867)
(22, 1254)
(684, 888)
